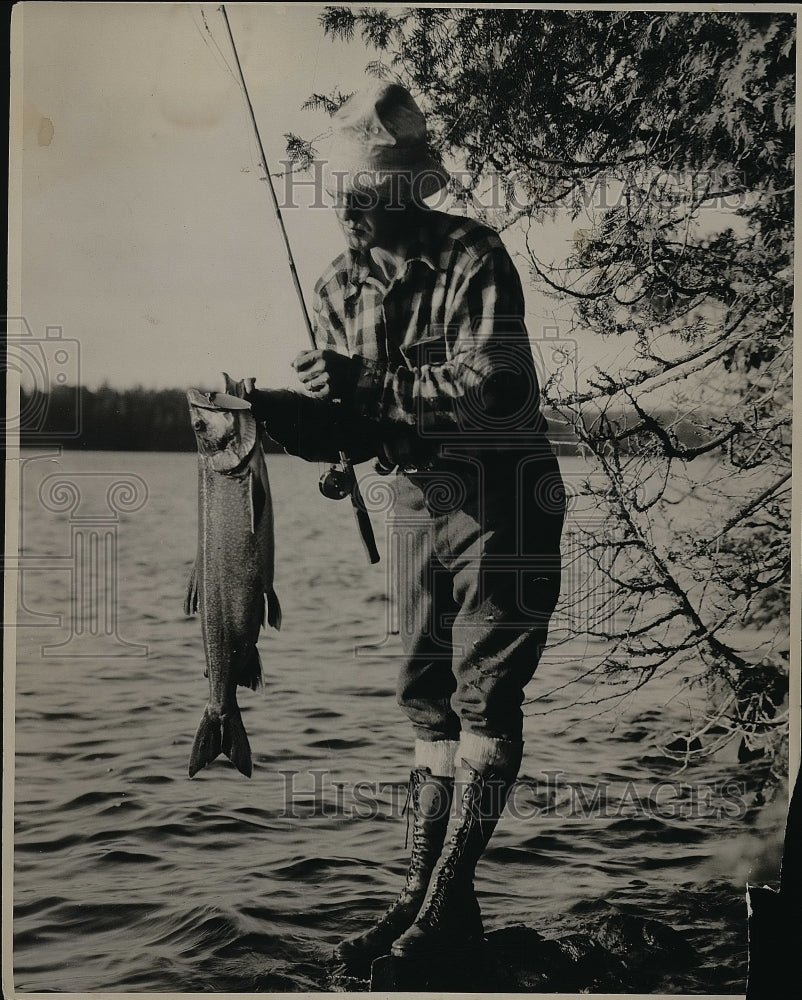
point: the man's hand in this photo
(325, 374)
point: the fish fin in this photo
(207, 745)
(258, 499)
(231, 387)
(235, 742)
(273, 609)
(191, 598)
(239, 388)
(251, 675)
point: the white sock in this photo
(483, 752)
(438, 755)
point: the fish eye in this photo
(198, 424)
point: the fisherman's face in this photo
(367, 223)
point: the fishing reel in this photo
(337, 482)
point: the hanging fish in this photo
(232, 580)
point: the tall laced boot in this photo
(429, 797)
(449, 920)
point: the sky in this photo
(145, 233)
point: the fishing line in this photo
(212, 45)
(217, 47)
(200, 30)
(219, 57)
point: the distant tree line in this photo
(158, 420)
(107, 419)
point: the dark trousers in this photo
(476, 544)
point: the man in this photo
(423, 361)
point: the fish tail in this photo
(235, 742)
(208, 743)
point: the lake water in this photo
(130, 877)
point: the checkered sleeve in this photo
(480, 364)
(326, 322)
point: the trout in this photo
(232, 580)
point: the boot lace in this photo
(447, 869)
(413, 791)
(418, 832)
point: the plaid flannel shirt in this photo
(442, 351)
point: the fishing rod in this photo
(337, 482)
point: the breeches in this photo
(477, 554)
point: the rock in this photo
(645, 945)
(520, 960)
(594, 967)
(618, 954)
(515, 959)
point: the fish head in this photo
(225, 429)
